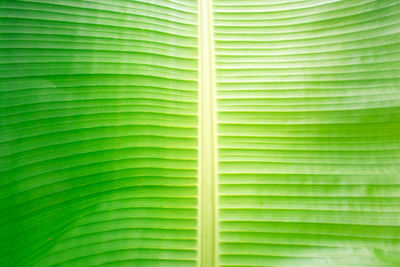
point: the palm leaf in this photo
(211, 133)
(99, 133)
(308, 113)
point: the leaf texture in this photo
(98, 133)
(308, 124)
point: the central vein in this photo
(208, 249)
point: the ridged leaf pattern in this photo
(309, 127)
(99, 132)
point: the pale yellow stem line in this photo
(208, 212)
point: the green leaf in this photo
(202, 133)
(99, 133)
(309, 127)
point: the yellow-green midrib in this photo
(99, 133)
